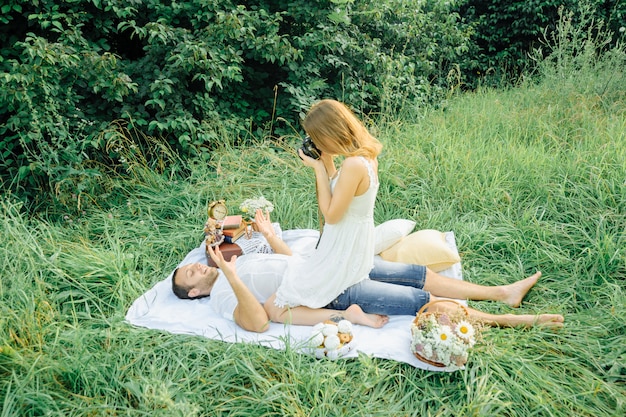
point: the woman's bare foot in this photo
(514, 293)
(356, 315)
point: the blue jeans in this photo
(393, 289)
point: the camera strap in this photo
(320, 217)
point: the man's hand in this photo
(228, 267)
(249, 313)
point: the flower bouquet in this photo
(251, 205)
(331, 339)
(443, 339)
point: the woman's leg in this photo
(310, 316)
(382, 298)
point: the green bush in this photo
(197, 72)
(506, 32)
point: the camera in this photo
(309, 148)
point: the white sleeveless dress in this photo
(344, 256)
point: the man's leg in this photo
(505, 320)
(390, 299)
(398, 273)
(442, 286)
(419, 276)
(512, 294)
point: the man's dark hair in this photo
(182, 291)
(179, 290)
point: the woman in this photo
(345, 252)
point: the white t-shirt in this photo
(261, 273)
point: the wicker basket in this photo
(422, 312)
(428, 361)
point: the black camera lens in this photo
(309, 148)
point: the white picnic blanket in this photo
(158, 308)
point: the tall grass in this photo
(529, 178)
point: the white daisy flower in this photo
(465, 330)
(445, 335)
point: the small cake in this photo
(345, 338)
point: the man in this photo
(247, 289)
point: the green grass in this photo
(529, 178)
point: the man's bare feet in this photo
(551, 321)
(356, 315)
(514, 293)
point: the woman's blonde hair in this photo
(335, 130)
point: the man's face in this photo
(200, 278)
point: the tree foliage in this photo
(506, 32)
(199, 71)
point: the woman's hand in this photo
(263, 223)
(308, 161)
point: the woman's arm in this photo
(264, 224)
(353, 181)
(329, 164)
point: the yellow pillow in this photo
(425, 247)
